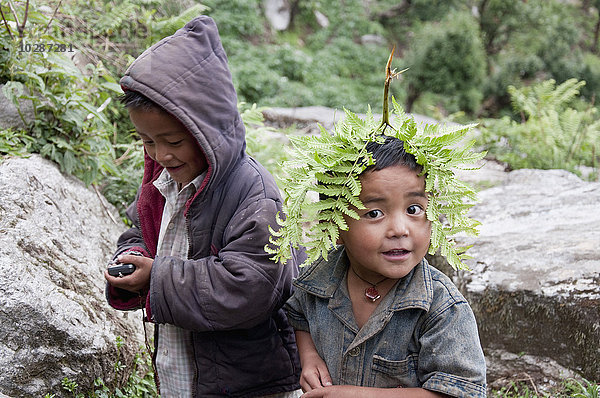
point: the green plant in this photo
(15, 143)
(583, 388)
(72, 387)
(76, 122)
(138, 384)
(263, 143)
(447, 58)
(68, 124)
(330, 164)
(515, 390)
(568, 388)
(551, 134)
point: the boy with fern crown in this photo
(372, 317)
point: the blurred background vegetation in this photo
(527, 71)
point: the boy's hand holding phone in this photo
(130, 272)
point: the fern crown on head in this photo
(328, 166)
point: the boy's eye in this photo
(414, 210)
(374, 214)
(147, 142)
(176, 142)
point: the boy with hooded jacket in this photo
(201, 222)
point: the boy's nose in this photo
(397, 227)
(162, 154)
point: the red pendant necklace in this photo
(371, 293)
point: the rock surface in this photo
(535, 284)
(278, 13)
(56, 237)
(308, 118)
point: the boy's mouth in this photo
(396, 252)
(175, 168)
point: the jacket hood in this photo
(187, 75)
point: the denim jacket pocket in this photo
(391, 374)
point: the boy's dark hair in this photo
(391, 153)
(135, 100)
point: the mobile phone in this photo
(121, 270)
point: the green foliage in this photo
(343, 73)
(447, 58)
(76, 121)
(499, 20)
(70, 386)
(569, 388)
(557, 37)
(138, 384)
(166, 26)
(591, 74)
(583, 388)
(15, 143)
(237, 18)
(551, 134)
(530, 42)
(263, 143)
(307, 65)
(68, 126)
(420, 10)
(321, 183)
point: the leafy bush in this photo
(447, 58)
(69, 126)
(551, 134)
(591, 74)
(263, 143)
(236, 19)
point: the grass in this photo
(567, 388)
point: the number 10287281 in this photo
(45, 47)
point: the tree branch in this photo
(6, 24)
(22, 27)
(53, 15)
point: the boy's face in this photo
(169, 143)
(392, 235)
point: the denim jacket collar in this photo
(324, 277)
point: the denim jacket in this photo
(422, 334)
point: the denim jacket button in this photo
(354, 352)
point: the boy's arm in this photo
(368, 392)
(316, 381)
(237, 287)
(314, 370)
(120, 292)
(451, 359)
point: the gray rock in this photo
(278, 13)
(321, 19)
(376, 40)
(308, 118)
(535, 280)
(56, 237)
(539, 374)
